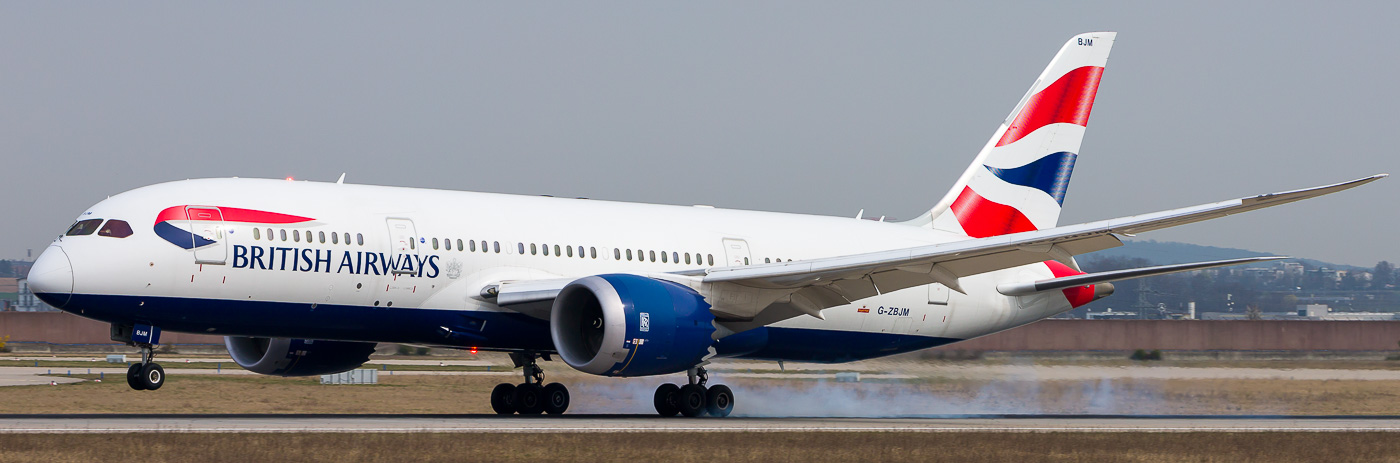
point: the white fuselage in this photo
(463, 242)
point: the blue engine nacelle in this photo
(628, 325)
(296, 357)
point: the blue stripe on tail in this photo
(1049, 174)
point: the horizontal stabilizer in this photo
(1024, 289)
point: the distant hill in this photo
(1168, 252)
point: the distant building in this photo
(28, 302)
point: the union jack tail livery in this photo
(1019, 179)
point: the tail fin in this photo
(1018, 181)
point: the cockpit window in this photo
(116, 229)
(83, 227)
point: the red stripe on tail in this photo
(1068, 100)
(981, 218)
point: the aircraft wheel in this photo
(692, 400)
(529, 399)
(152, 376)
(667, 399)
(719, 400)
(503, 399)
(133, 377)
(556, 398)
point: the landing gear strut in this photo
(147, 375)
(694, 399)
(531, 397)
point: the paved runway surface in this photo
(642, 423)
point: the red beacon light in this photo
(289, 178)
(473, 350)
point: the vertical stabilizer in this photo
(1019, 179)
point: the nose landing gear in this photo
(694, 399)
(533, 396)
(147, 375)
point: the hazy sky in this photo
(808, 107)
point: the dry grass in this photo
(706, 447)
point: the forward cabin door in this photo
(207, 225)
(401, 243)
(736, 252)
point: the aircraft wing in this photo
(755, 295)
(744, 297)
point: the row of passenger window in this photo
(629, 255)
(675, 258)
(335, 238)
(468, 246)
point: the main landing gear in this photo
(147, 375)
(533, 396)
(694, 399)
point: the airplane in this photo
(305, 278)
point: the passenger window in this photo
(663, 257)
(412, 243)
(617, 254)
(435, 244)
(283, 233)
(711, 259)
(746, 261)
(496, 244)
(653, 255)
(571, 251)
(460, 248)
(360, 238)
(83, 227)
(347, 238)
(256, 235)
(687, 258)
(335, 238)
(629, 255)
(269, 234)
(533, 250)
(296, 235)
(520, 247)
(321, 236)
(115, 229)
(767, 261)
(592, 251)
(473, 242)
(675, 257)
(556, 250)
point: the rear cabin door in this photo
(207, 225)
(736, 252)
(401, 243)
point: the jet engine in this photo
(296, 357)
(628, 325)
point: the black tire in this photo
(529, 399)
(692, 400)
(133, 377)
(719, 401)
(503, 399)
(556, 398)
(667, 399)
(152, 376)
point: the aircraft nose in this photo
(51, 277)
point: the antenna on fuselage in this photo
(860, 214)
(341, 180)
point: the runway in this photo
(278, 423)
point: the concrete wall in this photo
(1046, 335)
(65, 328)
